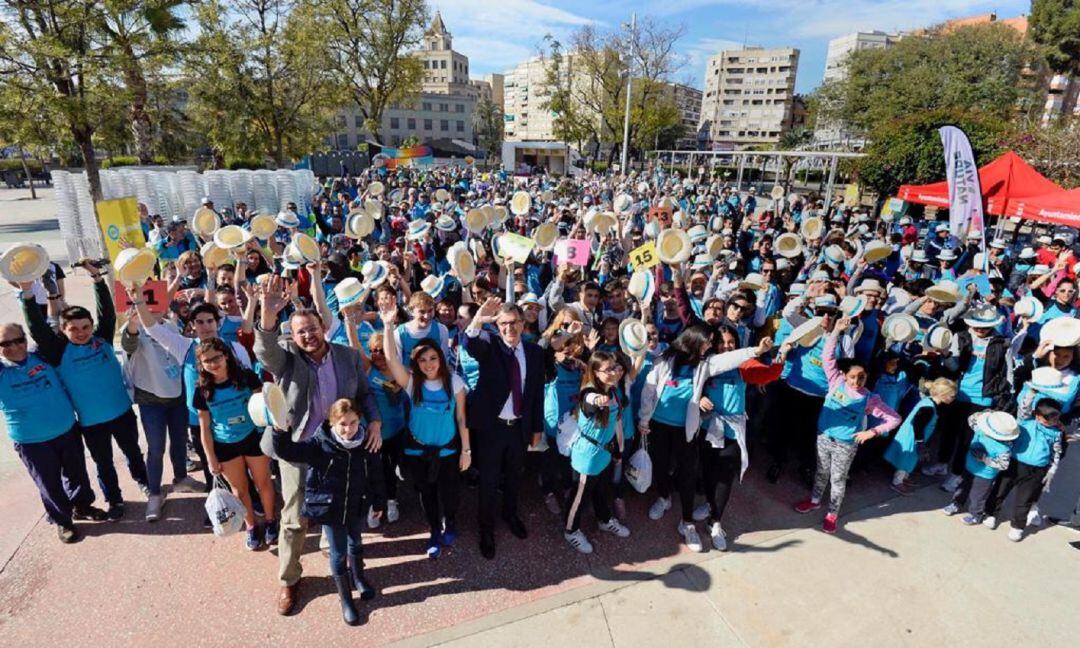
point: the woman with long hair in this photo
(597, 447)
(391, 402)
(436, 431)
(229, 436)
(564, 349)
(669, 413)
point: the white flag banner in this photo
(965, 191)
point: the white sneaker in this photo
(659, 507)
(615, 528)
(392, 513)
(1034, 519)
(951, 509)
(689, 533)
(552, 504)
(951, 483)
(187, 484)
(153, 507)
(324, 542)
(372, 521)
(719, 540)
(578, 541)
(990, 522)
(701, 512)
(1016, 535)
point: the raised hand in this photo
(764, 346)
(272, 296)
(490, 309)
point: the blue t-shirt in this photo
(971, 383)
(390, 400)
(92, 376)
(33, 401)
(727, 391)
(843, 414)
(432, 419)
(228, 408)
(1035, 445)
(674, 399)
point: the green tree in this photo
(367, 43)
(258, 80)
(1054, 150)
(1055, 25)
(488, 124)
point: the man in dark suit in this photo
(504, 412)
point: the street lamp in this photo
(629, 84)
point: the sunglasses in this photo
(19, 341)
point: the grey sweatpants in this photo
(833, 462)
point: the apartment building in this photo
(525, 91)
(749, 96)
(688, 102)
(835, 134)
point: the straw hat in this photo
(376, 188)
(876, 251)
(291, 259)
(520, 203)
(834, 254)
(134, 265)
(642, 286)
(475, 221)
(374, 208)
(204, 222)
(396, 196)
(601, 222)
(900, 327)
(642, 187)
(359, 225)
(546, 195)
(633, 337)
(945, 291)
(673, 246)
(1000, 426)
(374, 273)
(287, 219)
(546, 235)
(269, 407)
(262, 226)
(777, 192)
(496, 214)
(1061, 331)
(852, 306)
(808, 333)
(984, 316)
(442, 195)
(714, 245)
(24, 262)
(231, 236)
(350, 291)
(1030, 308)
(870, 285)
(697, 234)
(307, 247)
(919, 256)
(938, 338)
(788, 245)
(417, 229)
(622, 203)
(445, 223)
(462, 264)
(1047, 378)
(812, 228)
(754, 281)
(433, 285)
(213, 256)
(948, 254)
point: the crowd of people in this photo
(429, 329)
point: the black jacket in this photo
(493, 385)
(340, 482)
(995, 372)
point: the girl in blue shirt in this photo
(436, 431)
(391, 402)
(229, 436)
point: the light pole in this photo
(629, 83)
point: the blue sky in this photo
(497, 34)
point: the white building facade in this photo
(748, 97)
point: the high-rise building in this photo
(688, 102)
(835, 134)
(525, 92)
(749, 95)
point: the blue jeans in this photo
(344, 543)
(160, 422)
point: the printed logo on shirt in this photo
(35, 370)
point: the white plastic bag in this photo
(568, 431)
(639, 470)
(225, 510)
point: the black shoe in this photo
(206, 523)
(516, 527)
(487, 545)
(366, 590)
(67, 534)
(344, 590)
(92, 513)
(116, 512)
(773, 474)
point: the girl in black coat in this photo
(343, 480)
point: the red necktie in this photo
(515, 382)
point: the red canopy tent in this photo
(1006, 179)
(1060, 207)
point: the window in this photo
(426, 64)
(341, 121)
(427, 106)
(442, 64)
(395, 123)
(427, 124)
(460, 126)
(411, 123)
(359, 121)
(444, 125)
(444, 107)
(343, 140)
(459, 108)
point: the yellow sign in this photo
(516, 247)
(644, 256)
(119, 219)
(851, 195)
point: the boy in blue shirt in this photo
(987, 456)
(1035, 452)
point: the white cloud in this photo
(491, 55)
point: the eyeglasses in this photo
(740, 307)
(610, 370)
(19, 341)
(213, 359)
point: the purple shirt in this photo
(323, 394)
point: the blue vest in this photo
(892, 389)
(92, 376)
(902, 452)
(33, 401)
(864, 348)
(1035, 445)
(588, 455)
(191, 379)
(431, 421)
(671, 408)
(408, 342)
(992, 448)
(391, 402)
(229, 418)
(843, 414)
(560, 396)
(229, 328)
(970, 389)
(639, 384)
(727, 391)
(804, 370)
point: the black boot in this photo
(344, 590)
(363, 587)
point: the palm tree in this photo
(488, 122)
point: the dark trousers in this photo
(196, 442)
(344, 540)
(390, 455)
(98, 439)
(719, 470)
(955, 435)
(973, 493)
(794, 427)
(1028, 483)
(58, 468)
(675, 462)
(500, 458)
(554, 470)
(439, 497)
(597, 488)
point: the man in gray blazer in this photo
(313, 374)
